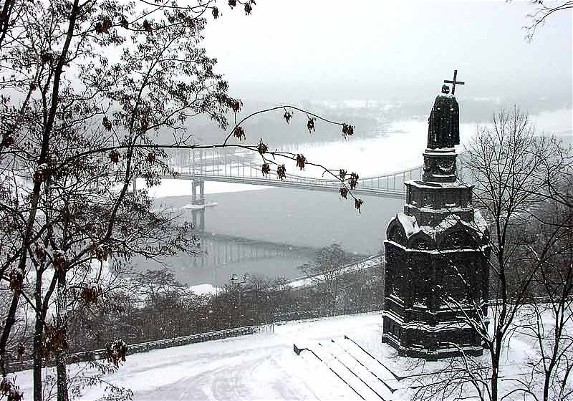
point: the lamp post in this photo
(236, 283)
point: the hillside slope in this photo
(255, 367)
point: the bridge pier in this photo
(198, 199)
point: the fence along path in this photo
(15, 366)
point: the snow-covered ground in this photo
(256, 367)
(340, 358)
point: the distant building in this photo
(436, 253)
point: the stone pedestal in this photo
(436, 265)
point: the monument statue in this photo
(436, 253)
(444, 121)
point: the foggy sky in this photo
(381, 49)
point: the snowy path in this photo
(243, 374)
(256, 367)
(265, 367)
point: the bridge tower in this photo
(437, 252)
(198, 199)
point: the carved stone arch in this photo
(457, 237)
(421, 241)
(395, 232)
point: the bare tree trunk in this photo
(5, 19)
(62, 374)
(35, 197)
(494, 377)
(62, 352)
(37, 343)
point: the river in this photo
(285, 216)
(310, 218)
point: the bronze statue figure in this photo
(443, 124)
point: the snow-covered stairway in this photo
(371, 364)
(367, 384)
(367, 379)
(384, 371)
(316, 363)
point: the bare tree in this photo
(326, 273)
(518, 178)
(542, 10)
(548, 316)
(87, 87)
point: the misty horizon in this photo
(301, 51)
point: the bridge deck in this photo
(224, 166)
(326, 186)
(300, 249)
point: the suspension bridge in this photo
(223, 165)
(228, 165)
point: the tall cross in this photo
(454, 82)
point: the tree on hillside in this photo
(520, 187)
(325, 271)
(548, 317)
(86, 88)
